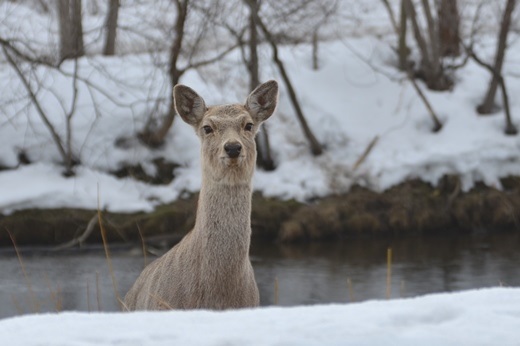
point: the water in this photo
(346, 271)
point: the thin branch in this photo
(367, 151)
(209, 61)
(36, 103)
(437, 124)
(391, 15)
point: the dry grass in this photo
(276, 291)
(388, 273)
(34, 302)
(107, 254)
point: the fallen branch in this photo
(437, 124)
(79, 240)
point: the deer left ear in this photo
(262, 102)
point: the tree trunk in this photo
(64, 23)
(488, 105)
(111, 28)
(156, 138)
(264, 158)
(71, 29)
(449, 23)
(77, 28)
(402, 49)
(431, 69)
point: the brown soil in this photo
(411, 208)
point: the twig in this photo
(367, 151)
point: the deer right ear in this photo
(188, 104)
(261, 103)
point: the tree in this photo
(316, 147)
(111, 27)
(71, 29)
(488, 105)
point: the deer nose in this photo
(233, 149)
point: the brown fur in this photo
(210, 267)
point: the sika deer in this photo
(210, 267)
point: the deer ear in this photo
(190, 106)
(261, 103)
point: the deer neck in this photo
(224, 220)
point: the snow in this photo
(355, 96)
(477, 317)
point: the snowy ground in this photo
(356, 95)
(481, 317)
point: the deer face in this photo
(227, 132)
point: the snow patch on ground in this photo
(478, 317)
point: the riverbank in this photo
(410, 208)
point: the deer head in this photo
(227, 132)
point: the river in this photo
(315, 273)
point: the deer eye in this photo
(207, 129)
(248, 127)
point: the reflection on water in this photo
(351, 270)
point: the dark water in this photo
(353, 270)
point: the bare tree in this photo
(111, 27)
(316, 147)
(488, 105)
(71, 29)
(155, 137)
(403, 53)
(15, 58)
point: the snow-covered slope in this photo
(356, 95)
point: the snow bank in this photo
(480, 317)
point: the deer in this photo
(210, 267)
